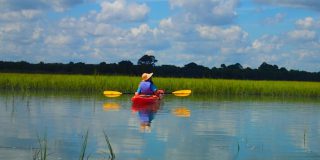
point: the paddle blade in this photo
(182, 93)
(112, 93)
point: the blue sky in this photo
(207, 32)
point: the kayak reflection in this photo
(146, 113)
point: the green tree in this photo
(236, 66)
(147, 60)
(125, 64)
(268, 67)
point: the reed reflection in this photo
(146, 113)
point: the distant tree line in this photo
(147, 64)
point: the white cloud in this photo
(10, 27)
(302, 35)
(310, 4)
(206, 11)
(146, 38)
(56, 5)
(141, 30)
(59, 39)
(121, 11)
(295, 49)
(219, 40)
(201, 31)
(89, 28)
(111, 40)
(19, 15)
(18, 33)
(166, 23)
(62, 5)
(232, 34)
(266, 44)
(307, 22)
(149, 52)
(307, 56)
(98, 35)
(225, 8)
(37, 33)
(278, 18)
(302, 58)
(263, 49)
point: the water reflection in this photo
(146, 113)
(181, 128)
(181, 112)
(111, 106)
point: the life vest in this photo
(146, 88)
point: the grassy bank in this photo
(97, 84)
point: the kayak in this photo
(145, 98)
(142, 98)
(152, 106)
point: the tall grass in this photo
(53, 82)
(84, 146)
(41, 153)
(85, 143)
(245, 87)
(97, 84)
(112, 155)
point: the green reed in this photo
(242, 87)
(99, 83)
(84, 147)
(112, 155)
(53, 82)
(41, 153)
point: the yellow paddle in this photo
(112, 93)
(180, 93)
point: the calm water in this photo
(180, 128)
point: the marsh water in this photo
(194, 127)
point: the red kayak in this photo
(144, 106)
(147, 98)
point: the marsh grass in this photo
(84, 147)
(52, 82)
(112, 155)
(85, 143)
(41, 153)
(97, 84)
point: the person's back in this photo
(146, 86)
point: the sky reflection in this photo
(178, 128)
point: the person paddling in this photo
(146, 86)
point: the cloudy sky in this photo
(207, 32)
